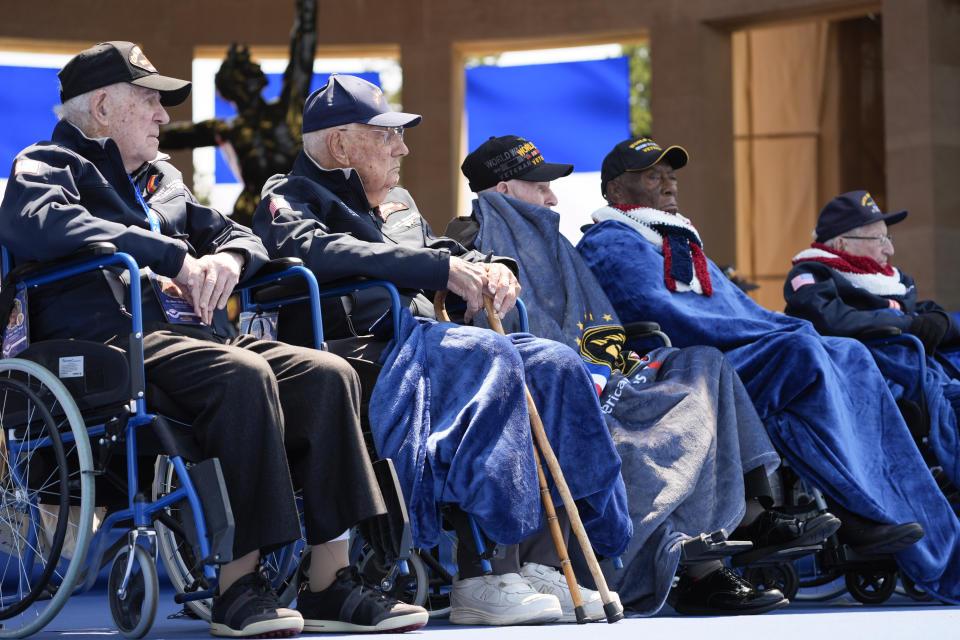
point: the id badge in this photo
(177, 309)
(15, 334)
(262, 325)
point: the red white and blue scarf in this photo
(684, 263)
(860, 271)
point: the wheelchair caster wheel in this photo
(912, 590)
(871, 586)
(410, 587)
(782, 576)
(134, 612)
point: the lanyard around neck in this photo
(152, 218)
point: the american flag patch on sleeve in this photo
(277, 203)
(26, 165)
(800, 280)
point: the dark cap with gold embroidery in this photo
(112, 62)
(509, 158)
(638, 154)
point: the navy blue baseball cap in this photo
(345, 99)
(849, 211)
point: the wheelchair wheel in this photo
(871, 586)
(46, 497)
(134, 612)
(782, 576)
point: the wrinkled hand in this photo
(471, 281)
(207, 282)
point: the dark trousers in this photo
(257, 405)
(363, 353)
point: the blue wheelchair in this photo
(79, 488)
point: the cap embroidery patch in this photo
(867, 201)
(645, 144)
(137, 59)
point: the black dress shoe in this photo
(722, 593)
(773, 531)
(874, 539)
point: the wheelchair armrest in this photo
(34, 268)
(877, 333)
(640, 329)
(277, 265)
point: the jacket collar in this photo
(343, 183)
(102, 152)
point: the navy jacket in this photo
(73, 190)
(836, 307)
(323, 217)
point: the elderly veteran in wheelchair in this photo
(822, 399)
(695, 454)
(448, 405)
(255, 405)
(845, 284)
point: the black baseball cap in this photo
(637, 154)
(346, 99)
(509, 158)
(849, 211)
(112, 62)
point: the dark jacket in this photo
(837, 307)
(73, 190)
(323, 217)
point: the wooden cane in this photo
(611, 607)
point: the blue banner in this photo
(26, 104)
(573, 111)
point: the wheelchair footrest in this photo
(776, 557)
(710, 546)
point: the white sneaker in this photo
(546, 579)
(500, 600)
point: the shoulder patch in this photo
(277, 203)
(386, 208)
(801, 280)
(26, 165)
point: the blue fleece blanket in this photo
(685, 429)
(824, 402)
(898, 361)
(563, 300)
(682, 422)
(449, 408)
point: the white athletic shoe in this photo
(546, 579)
(500, 600)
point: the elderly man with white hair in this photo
(448, 405)
(254, 405)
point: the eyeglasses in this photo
(385, 135)
(878, 239)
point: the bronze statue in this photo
(264, 136)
